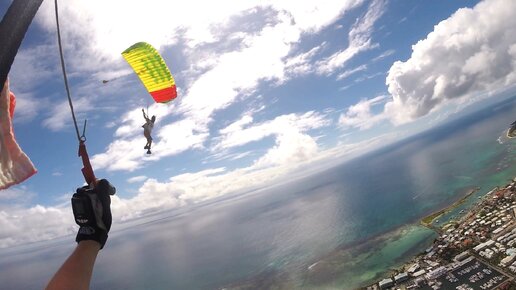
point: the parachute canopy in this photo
(152, 71)
(15, 166)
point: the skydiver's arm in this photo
(76, 271)
(144, 115)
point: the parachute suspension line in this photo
(83, 136)
(64, 74)
(87, 170)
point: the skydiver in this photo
(76, 271)
(147, 129)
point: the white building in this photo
(401, 277)
(461, 256)
(386, 283)
(413, 268)
(507, 260)
(436, 273)
(419, 273)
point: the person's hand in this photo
(92, 211)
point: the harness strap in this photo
(13, 27)
(87, 170)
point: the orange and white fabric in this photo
(15, 166)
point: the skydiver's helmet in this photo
(153, 119)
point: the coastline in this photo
(497, 193)
(384, 255)
(431, 218)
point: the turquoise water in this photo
(367, 262)
(411, 180)
(351, 224)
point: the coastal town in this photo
(475, 251)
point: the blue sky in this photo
(267, 92)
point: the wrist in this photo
(90, 245)
(88, 233)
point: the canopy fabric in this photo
(152, 70)
(15, 166)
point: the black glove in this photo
(92, 211)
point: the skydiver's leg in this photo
(149, 139)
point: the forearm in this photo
(76, 272)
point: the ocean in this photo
(339, 229)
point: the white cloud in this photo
(471, 52)
(384, 55)
(190, 188)
(239, 155)
(301, 64)
(352, 71)
(294, 156)
(263, 51)
(42, 64)
(242, 132)
(225, 155)
(360, 115)
(18, 224)
(213, 82)
(238, 125)
(27, 107)
(128, 154)
(121, 155)
(61, 118)
(358, 79)
(93, 42)
(133, 120)
(137, 179)
(291, 148)
(292, 144)
(96, 40)
(13, 193)
(311, 16)
(110, 125)
(359, 40)
(368, 77)
(343, 88)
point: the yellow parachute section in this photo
(150, 67)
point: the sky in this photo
(268, 91)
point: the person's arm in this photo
(92, 212)
(76, 271)
(144, 115)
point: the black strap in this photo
(13, 27)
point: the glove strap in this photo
(91, 233)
